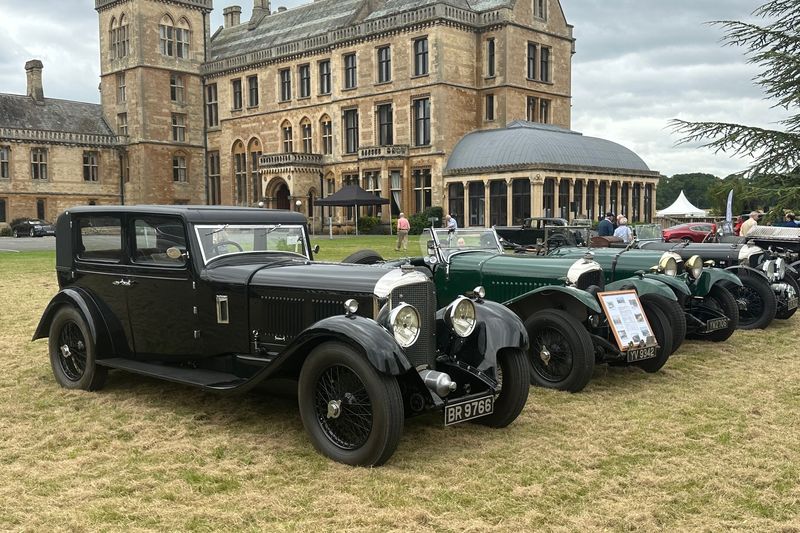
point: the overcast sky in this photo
(638, 64)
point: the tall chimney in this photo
(260, 8)
(232, 16)
(33, 68)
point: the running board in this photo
(206, 379)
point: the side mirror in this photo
(315, 249)
(175, 253)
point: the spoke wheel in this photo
(561, 354)
(352, 413)
(73, 353)
(718, 300)
(756, 301)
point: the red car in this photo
(690, 232)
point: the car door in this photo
(161, 295)
(100, 269)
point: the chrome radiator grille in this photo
(594, 277)
(423, 297)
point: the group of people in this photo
(752, 221)
(615, 226)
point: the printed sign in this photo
(627, 320)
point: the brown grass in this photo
(711, 442)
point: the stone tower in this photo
(151, 54)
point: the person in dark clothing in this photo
(606, 226)
(789, 221)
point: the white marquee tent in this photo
(681, 208)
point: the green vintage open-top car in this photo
(709, 308)
(556, 298)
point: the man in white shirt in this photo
(623, 231)
(749, 224)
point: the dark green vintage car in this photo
(557, 299)
(709, 308)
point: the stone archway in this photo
(276, 192)
(282, 196)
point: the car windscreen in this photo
(648, 232)
(450, 242)
(218, 240)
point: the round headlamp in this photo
(351, 307)
(694, 266)
(667, 265)
(404, 320)
(769, 269)
(479, 292)
(462, 317)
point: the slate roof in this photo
(22, 112)
(318, 18)
(524, 144)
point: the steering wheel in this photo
(556, 241)
(215, 251)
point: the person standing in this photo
(450, 223)
(749, 224)
(606, 226)
(623, 231)
(403, 225)
(789, 221)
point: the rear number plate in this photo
(716, 323)
(461, 411)
(792, 303)
(638, 354)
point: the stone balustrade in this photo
(61, 137)
(289, 159)
(378, 152)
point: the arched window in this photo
(183, 37)
(239, 173)
(254, 149)
(326, 131)
(112, 37)
(123, 39)
(305, 130)
(166, 36)
(287, 136)
(310, 203)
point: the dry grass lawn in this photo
(711, 442)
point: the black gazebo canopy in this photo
(352, 195)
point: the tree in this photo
(695, 186)
(775, 47)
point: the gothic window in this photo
(119, 39)
(544, 111)
(421, 56)
(254, 149)
(327, 135)
(384, 64)
(422, 122)
(90, 166)
(533, 104)
(179, 168)
(179, 127)
(212, 105)
(182, 39)
(166, 36)
(176, 88)
(305, 130)
(385, 125)
(286, 129)
(239, 174)
(351, 130)
(39, 163)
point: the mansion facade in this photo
(287, 106)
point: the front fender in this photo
(574, 301)
(363, 334)
(738, 269)
(710, 277)
(82, 301)
(677, 284)
(643, 286)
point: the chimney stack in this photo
(260, 8)
(232, 16)
(33, 68)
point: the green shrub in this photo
(5, 232)
(366, 223)
(420, 221)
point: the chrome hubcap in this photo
(65, 352)
(334, 408)
(544, 355)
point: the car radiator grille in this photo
(423, 297)
(594, 277)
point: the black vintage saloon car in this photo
(224, 298)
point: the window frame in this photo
(5, 162)
(350, 120)
(177, 88)
(384, 62)
(421, 56)
(491, 67)
(179, 127)
(214, 182)
(252, 91)
(91, 166)
(489, 104)
(422, 121)
(324, 76)
(39, 157)
(237, 99)
(212, 106)
(304, 81)
(385, 123)
(122, 92)
(350, 71)
(545, 61)
(180, 168)
(532, 53)
(285, 81)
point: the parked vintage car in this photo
(556, 298)
(32, 228)
(224, 298)
(690, 232)
(709, 308)
(545, 231)
(768, 290)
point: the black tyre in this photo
(659, 322)
(561, 354)
(755, 299)
(675, 315)
(514, 377)
(352, 413)
(720, 299)
(783, 312)
(363, 257)
(32, 233)
(73, 355)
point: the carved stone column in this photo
(486, 205)
(509, 202)
(537, 190)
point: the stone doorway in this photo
(282, 197)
